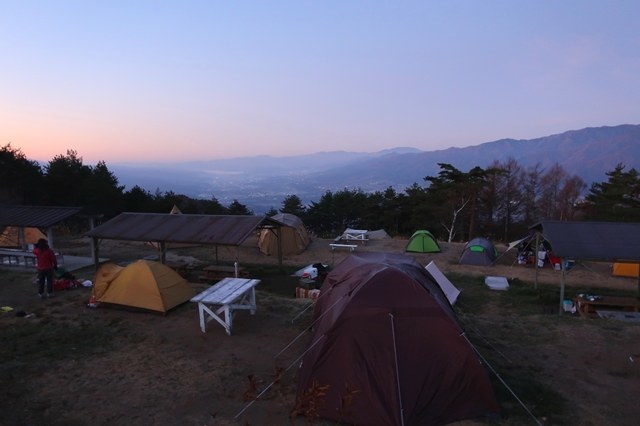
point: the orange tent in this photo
(142, 284)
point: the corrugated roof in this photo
(35, 216)
(181, 228)
(611, 241)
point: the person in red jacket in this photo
(46, 263)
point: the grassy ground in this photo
(528, 348)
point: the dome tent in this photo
(385, 336)
(142, 284)
(479, 251)
(422, 241)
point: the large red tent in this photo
(387, 349)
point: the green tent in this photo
(422, 242)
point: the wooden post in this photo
(279, 235)
(562, 277)
(94, 248)
(535, 263)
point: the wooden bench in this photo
(220, 301)
(588, 307)
(351, 247)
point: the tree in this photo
(451, 192)
(558, 194)
(21, 180)
(383, 211)
(104, 195)
(213, 206)
(293, 205)
(335, 212)
(531, 192)
(617, 199)
(237, 208)
(68, 180)
(138, 199)
(508, 192)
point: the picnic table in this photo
(357, 235)
(220, 301)
(351, 247)
(587, 306)
(23, 258)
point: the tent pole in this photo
(562, 278)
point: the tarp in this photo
(142, 284)
(479, 251)
(422, 241)
(295, 237)
(387, 349)
(446, 286)
(625, 269)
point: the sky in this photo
(159, 81)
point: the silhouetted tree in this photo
(558, 194)
(453, 191)
(617, 199)
(21, 180)
(68, 180)
(237, 208)
(271, 212)
(293, 205)
(335, 212)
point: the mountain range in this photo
(262, 182)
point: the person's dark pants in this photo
(45, 275)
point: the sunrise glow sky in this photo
(178, 80)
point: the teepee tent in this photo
(11, 236)
(295, 237)
(479, 251)
(422, 242)
(385, 337)
(142, 284)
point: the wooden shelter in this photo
(163, 228)
(608, 241)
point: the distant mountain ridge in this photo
(262, 182)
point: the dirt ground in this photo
(164, 370)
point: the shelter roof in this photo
(35, 216)
(229, 230)
(611, 241)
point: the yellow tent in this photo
(626, 269)
(142, 284)
(10, 237)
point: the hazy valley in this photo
(262, 182)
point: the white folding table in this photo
(221, 300)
